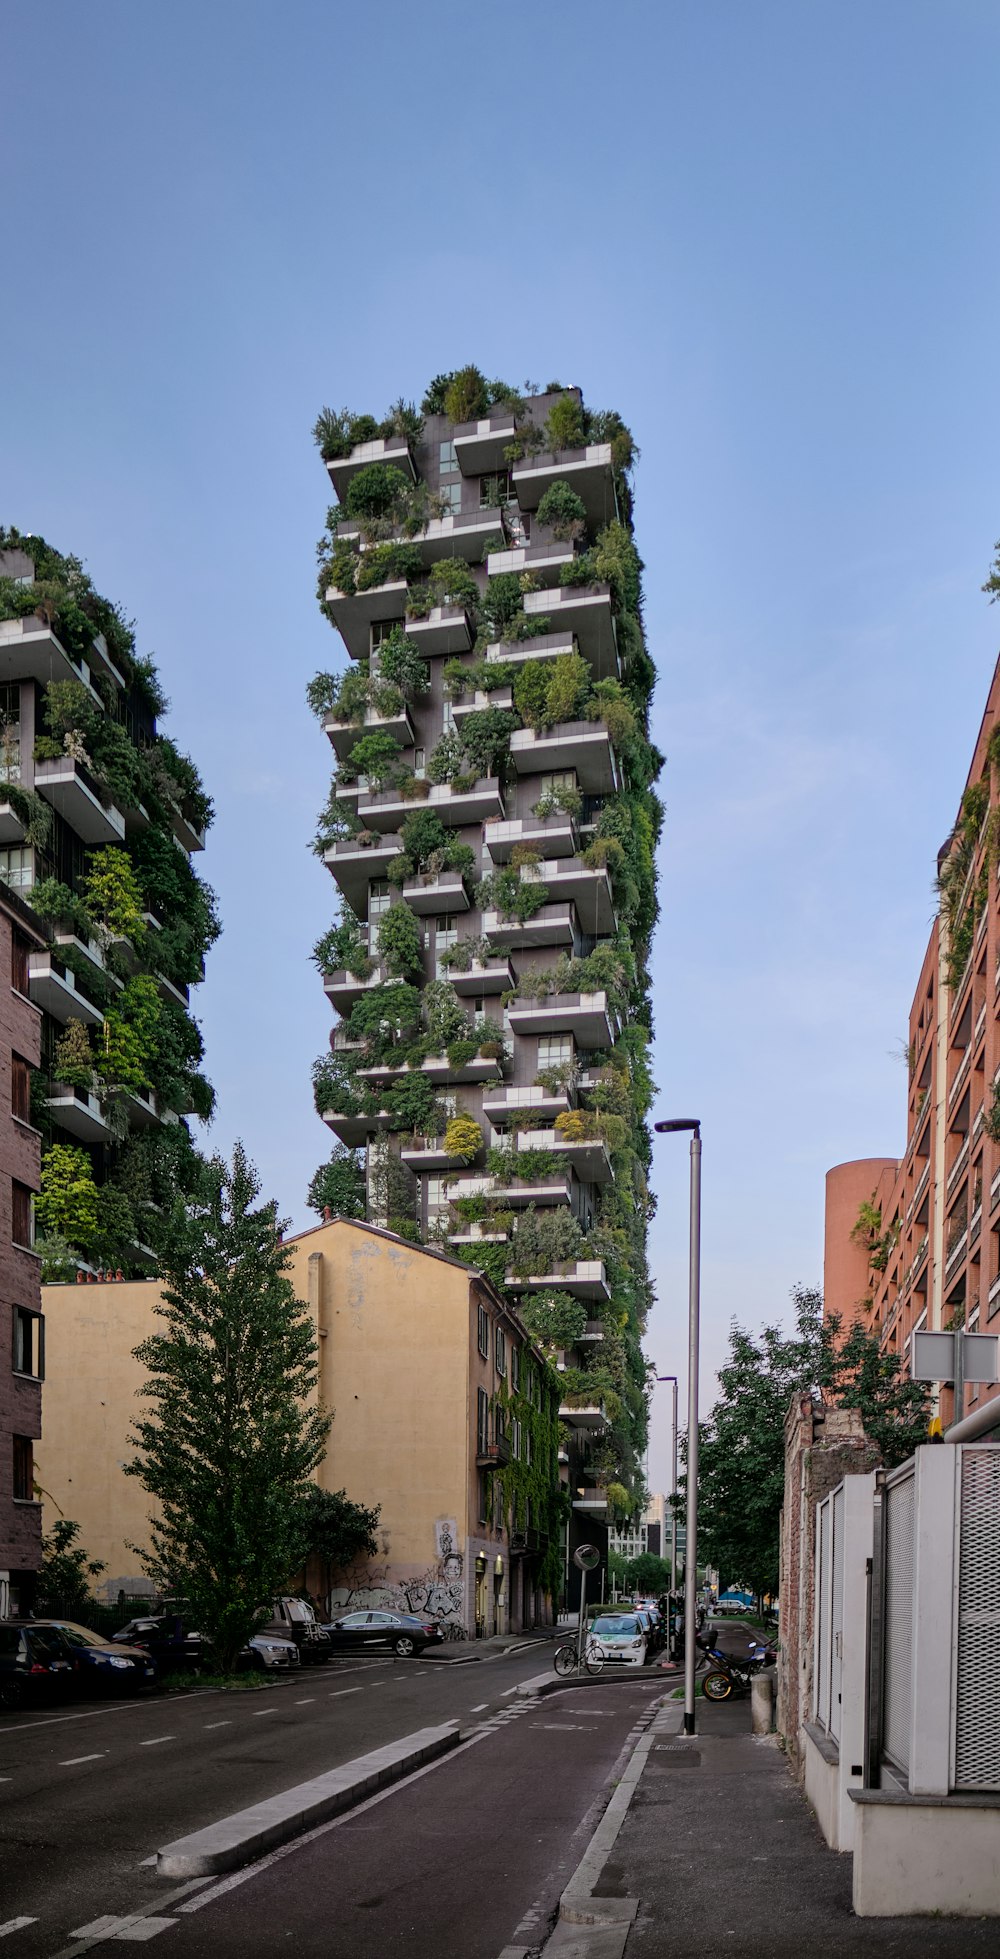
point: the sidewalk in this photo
(724, 1857)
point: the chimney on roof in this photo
(327, 1214)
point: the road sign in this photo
(935, 1358)
(586, 1557)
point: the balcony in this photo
(352, 1130)
(481, 1068)
(589, 890)
(544, 561)
(960, 1078)
(506, 1104)
(515, 1196)
(29, 650)
(463, 535)
(592, 1335)
(600, 650)
(344, 989)
(581, 745)
(587, 471)
(552, 925)
(56, 989)
(343, 734)
(355, 613)
(99, 659)
(592, 1503)
(467, 704)
(590, 1417)
(73, 792)
(956, 1253)
(585, 611)
(78, 1111)
(493, 1455)
(554, 836)
(587, 1016)
(140, 1106)
(394, 449)
(588, 1158)
(386, 809)
(583, 1277)
(446, 629)
(479, 446)
(430, 895)
(960, 1164)
(482, 977)
(524, 1542)
(11, 827)
(186, 829)
(353, 864)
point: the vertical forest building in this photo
(100, 815)
(490, 830)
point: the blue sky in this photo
(767, 235)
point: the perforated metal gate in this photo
(899, 1522)
(836, 1608)
(824, 1579)
(977, 1711)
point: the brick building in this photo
(22, 1337)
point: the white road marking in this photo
(217, 1724)
(345, 1690)
(72, 1760)
(156, 1740)
(15, 1924)
(6, 1778)
(479, 1709)
(90, 1937)
(311, 1702)
(135, 1931)
(322, 1830)
(509, 1690)
(258, 1711)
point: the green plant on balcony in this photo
(66, 1205)
(604, 854)
(378, 490)
(477, 676)
(73, 1060)
(413, 1106)
(336, 433)
(536, 1165)
(544, 1241)
(485, 738)
(466, 953)
(113, 896)
(490, 1041)
(565, 427)
(399, 941)
(557, 1080)
(444, 1016)
(463, 1139)
(568, 686)
(563, 511)
(376, 755)
(511, 896)
(32, 812)
(413, 788)
(338, 570)
(344, 948)
(554, 1318)
(402, 666)
(387, 564)
(445, 762)
(449, 582)
(609, 703)
(55, 901)
(385, 1014)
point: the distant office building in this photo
(22, 1327)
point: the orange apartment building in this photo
(926, 1250)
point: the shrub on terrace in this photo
(401, 665)
(563, 511)
(463, 1138)
(450, 582)
(399, 941)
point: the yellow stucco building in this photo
(434, 1387)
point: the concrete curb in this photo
(598, 1928)
(555, 1683)
(237, 1839)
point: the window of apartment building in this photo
(447, 459)
(550, 785)
(17, 866)
(448, 722)
(555, 1051)
(483, 1473)
(29, 1343)
(495, 489)
(452, 495)
(484, 1333)
(515, 1439)
(482, 1421)
(10, 731)
(382, 630)
(445, 936)
(24, 1469)
(22, 1215)
(20, 1088)
(528, 1451)
(515, 1370)
(19, 962)
(500, 1351)
(379, 900)
(437, 1201)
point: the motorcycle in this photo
(730, 1676)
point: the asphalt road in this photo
(89, 1794)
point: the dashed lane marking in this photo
(307, 1703)
(72, 1760)
(346, 1690)
(156, 1740)
(259, 1711)
(479, 1709)
(15, 1924)
(217, 1724)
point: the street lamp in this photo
(694, 1317)
(673, 1491)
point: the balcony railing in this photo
(493, 1455)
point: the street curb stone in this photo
(237, 1839)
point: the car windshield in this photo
(621, 1624)
(78, 1635)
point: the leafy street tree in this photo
(339, 1185)
(336, 1531)
(742, 1447)
(66, 1571)
(648, 1575)
(230, 1443)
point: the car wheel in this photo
(404, 1646)
(11, 1693)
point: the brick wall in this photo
(20, 1395)
(822, 1446)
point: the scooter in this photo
(728, 1676)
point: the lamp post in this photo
(673, 1489)
(694, 1318)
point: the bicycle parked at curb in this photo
(568, 1658)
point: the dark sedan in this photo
(165, 1637)
(102, 1665)
(34, 1664)
(404, 1632)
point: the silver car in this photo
(267, 1651)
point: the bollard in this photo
(762, 1703)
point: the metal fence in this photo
(977, 1698)
(899, 1521)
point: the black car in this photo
(34, 1664)
(402, 1631)
(102, 1665)
(166, 1638)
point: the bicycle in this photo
(567, 1658)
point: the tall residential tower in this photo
(490, 828)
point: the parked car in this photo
(622, 1638)
(657, 1623)
(34, 1664)
(294, 1619)
(102, 1665)
(165, 1636)
(404, 1632)
(264, 1650)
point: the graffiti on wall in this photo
(439, 1591)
